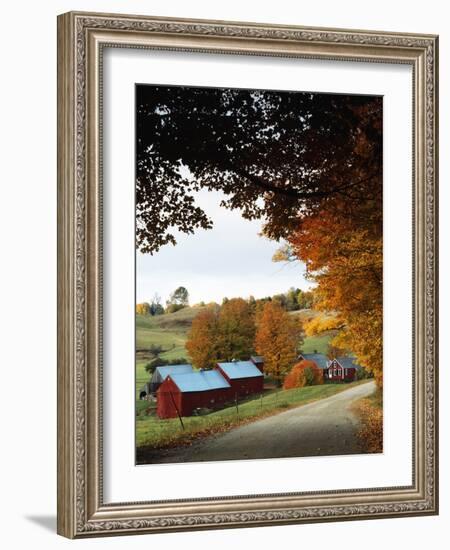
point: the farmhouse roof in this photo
(240, 369)
(348, 362)
(168, 370)
(199, 381)
(257, 359)
(319, 359)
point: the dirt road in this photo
(325, 427)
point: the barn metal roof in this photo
(257, 359)
(319, 359)
(240, 369)
(348, 362)
(199, 381)
(167, 370)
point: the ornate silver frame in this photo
(81, 510)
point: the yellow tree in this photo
(322, 323)
(344, 255)
(277, 339)
(202, 339)
(143, 309)
(236, 330)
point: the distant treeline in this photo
(292, 300)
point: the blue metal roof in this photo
(240, 369)
(257, 359)
(167, 370)
(199, 381)
(319, 359)
(348, 362)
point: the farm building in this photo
(244, 377)
(258, 361)
(182, 393)
(341, 369)
(161, 373)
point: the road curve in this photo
(325, 427)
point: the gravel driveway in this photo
(325, 427)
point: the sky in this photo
(229, 260)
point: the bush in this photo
(157, 362)
(305, 373)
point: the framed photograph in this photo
(247, 288)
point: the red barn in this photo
(243, 376)
(183, 393)
(258, 361)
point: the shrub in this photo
(157, 362)
(305, 373)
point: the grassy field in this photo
(169, 331)
(318, 343)
(156, 433)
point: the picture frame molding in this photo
(81, 39)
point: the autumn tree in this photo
(277, 339)
(273, 155)
(344, 255)
(202, 339)
(236, 330)
(323, 323)
(305, 299)
(340, 241)
(143, 308)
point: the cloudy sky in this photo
(230, 259)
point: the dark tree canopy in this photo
(180, 296)
(273, 154)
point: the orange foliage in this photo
(224, 333)
(343, 253)
(305, 373)
(277, 338)
(321, 324)
(202, 339)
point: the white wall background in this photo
(28, 275)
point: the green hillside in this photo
(168, 330)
